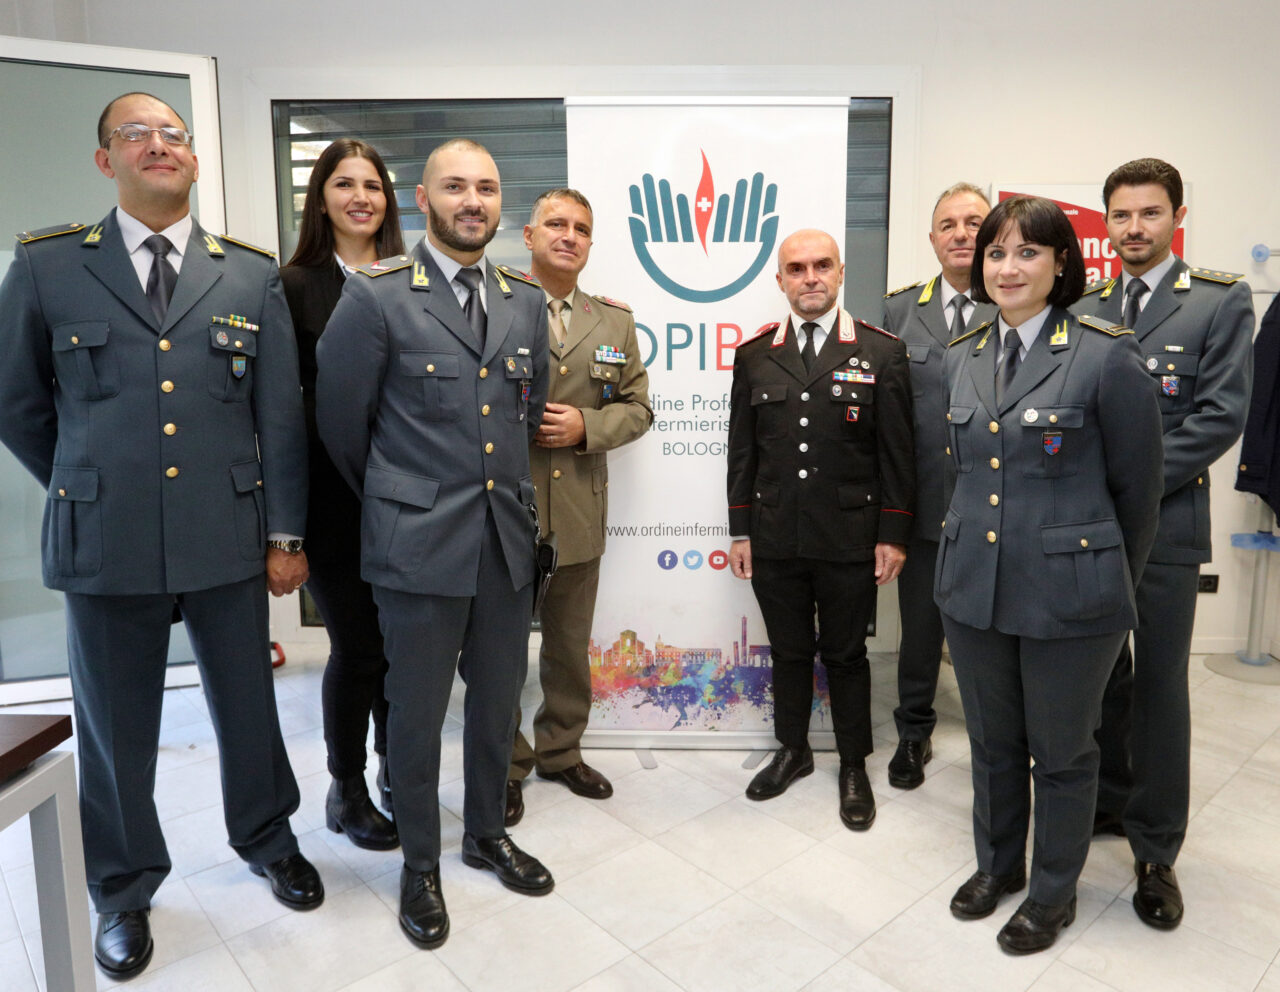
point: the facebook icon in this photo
(667, 560)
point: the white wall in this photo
(1007, 90)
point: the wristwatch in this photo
(292, 547)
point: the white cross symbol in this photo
(704, 205)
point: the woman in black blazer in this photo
(349, 219)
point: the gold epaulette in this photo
(26, 237)
(382, 266)
(968, 334)
(507, 270)
(613, 303)
(245, 244)
(1106, 327)
(1213, 275)
(902, 289)
(1093, 287)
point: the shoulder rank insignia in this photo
(245, 244)
(614, 303)
(420, 278)
(1183, 282)
(872, 327)
(1106, 327)
(926, 294)
(1212, 275)
(1093, 287)
(212, 247)
(968, 334)
(393, 263)
(517, 274)
(26, 237)
(902, 289)
(502, 283)
(1058, 339)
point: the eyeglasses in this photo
(140, 132)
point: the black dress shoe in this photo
(518, 871)
(294, 881)
(857, 804)
(980, 895)
(383, 783)
(582, 780)
(123, 945)
(787, 765)
(423, 917)
(348, 809)
(906, 768)
(514, 812)
(1035, 926)
(1158, 900)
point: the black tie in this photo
(1008, 364)
(474, 309)
(957, 318)
(1132, 291)
(809, 353)
(162, 278)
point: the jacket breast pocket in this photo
(519, 373)
(1086, 568)
(1175, 373)
(958, 418)
(769, 405)
(1052, 435)
(441, 394)
(83, 361)
(920, 368)
(232, 352)
(251, 511)
(396, 520)
(605, 378)
(73, 523)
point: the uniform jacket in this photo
(431, 430)
(821, 463)
(148, 437)
(1056, 489)
(1260, 453)
(918, 318)
(613, 394)
(333, 509)
(1195, 334)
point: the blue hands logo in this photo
(693, 559)
(747, 219)
(667, 560)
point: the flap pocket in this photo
(1172, 363)
(766, 493)
(599, 478)
(517, 366)
(234, 339)
(416, 490)
(247, 476)
(960, 414)
(80, 334)
(768, 394)
(918, 353)
(858, 495)
(526, 490)
(1049, 417)
(79, 484)
(951, 526)
(608, 373)
(429, 363)
(1093, 535)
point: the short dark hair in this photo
(104, 133)
(1141, 171)
(1041, 222)
(560, 193)
(315, 234)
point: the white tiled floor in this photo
(678, 882)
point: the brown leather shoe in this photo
(582, 780)
(1157, 900)
(514, 812)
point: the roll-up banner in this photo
(691, 199)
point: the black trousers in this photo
(920, 652)
(353, 686)
(118, 647)
(843, 594)
(486, 639)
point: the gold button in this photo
(948, 416)
(488, 448)
(1244, 467)
(1053, 418)
(430, 367)
(165, 344)
(944, 523)
(239, 344)
(991, 537)
(484, 410)
(259, 483)
(993, 499)
(556, 474)
(995, 463)
(171, 472)
(62, 492)
(171, 429)
(1200, 481)
(75, 339)
(564, 370)
(1084, 542)
(993, 427)
(484, 373)
(1171, 366)
(489, 484)
(166, 386)
(948, 449)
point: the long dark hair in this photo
(315, 236)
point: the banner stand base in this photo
(762, 741)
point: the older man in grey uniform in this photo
(432, 381)
(149, 381)
(927, 321)
(1195, 329)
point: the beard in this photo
(452, 238)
